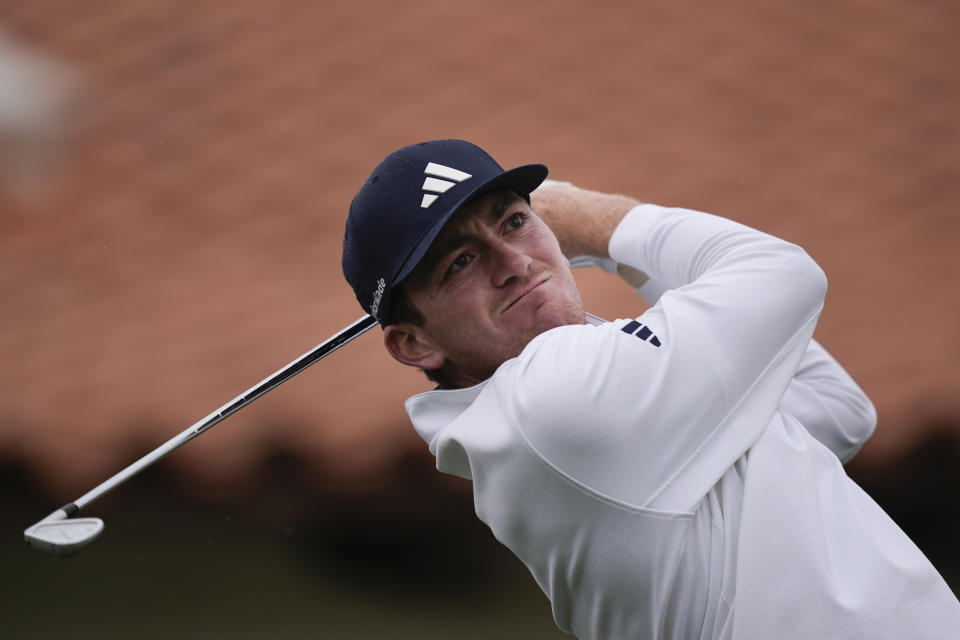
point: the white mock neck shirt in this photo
(679, 474)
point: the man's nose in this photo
(509, 263)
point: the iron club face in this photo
(63, 536)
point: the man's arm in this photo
(827, 401)
(672, 413)
(582, 220)
(822, 395)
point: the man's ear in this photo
(408, 344)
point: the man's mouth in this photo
(528, 289)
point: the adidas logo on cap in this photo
(435, 185)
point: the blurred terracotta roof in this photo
(188, 244)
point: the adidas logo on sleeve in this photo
(637, 329)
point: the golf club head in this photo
(63, 537)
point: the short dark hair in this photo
(403, 311)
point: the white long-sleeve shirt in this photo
(655, 474)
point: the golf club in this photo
(61, 534)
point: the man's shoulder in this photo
(573, 365)
(579, 344)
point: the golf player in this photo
(674, 475)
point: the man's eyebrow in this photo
(439, 250)
(500, 205)
(448, 245)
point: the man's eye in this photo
(459, 262)
(515, 221)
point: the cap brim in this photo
(522, 179)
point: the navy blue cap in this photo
(404, 204)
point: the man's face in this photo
(492, 281)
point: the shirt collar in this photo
(433, 410)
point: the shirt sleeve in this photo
(652, 411)
(827, 401)
(822, 395)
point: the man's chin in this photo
(561, 313)
(477, 368)
(548, 318)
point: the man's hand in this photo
(582, 220)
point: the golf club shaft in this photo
(356, 329)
